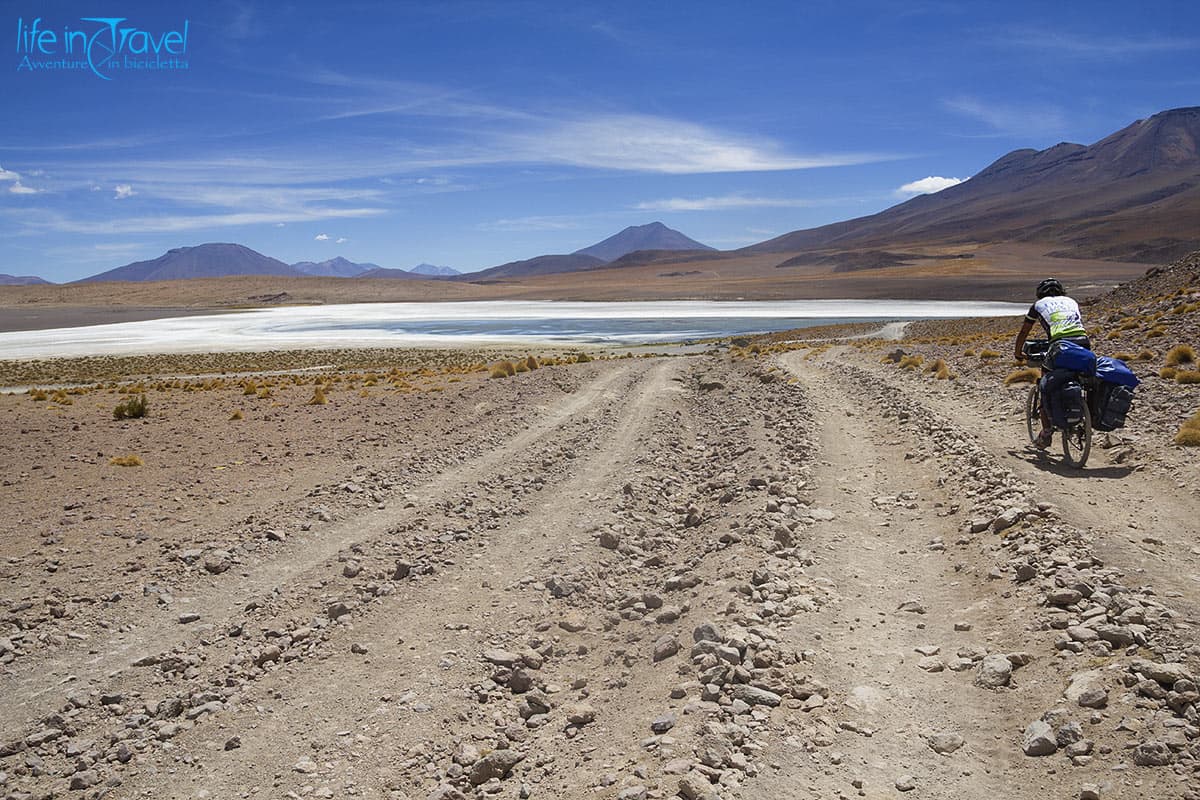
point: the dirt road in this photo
(692, 576)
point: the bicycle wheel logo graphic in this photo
(101, 52)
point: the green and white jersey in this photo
(1059, 316)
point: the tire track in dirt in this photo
(1141, 521)
(424, 641)
(884, 552)
(33, 682)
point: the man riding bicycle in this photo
(1062, 321)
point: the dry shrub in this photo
(944, 373)
(521, 367)
(911, 362)
(1027, 375)
(968, 352)
(1187, 376)
(1179, 355)
(582, 358)
(504, 369)
(1189, 432)
(532, 363)
(1167, 373)
(132, 408)
(988, 354)
(130, 460)
(1145, 355)
(61, 398)
(938, 366)
(1154, 333)
(318, 398)
(38, 395)
(236, 415)
(263, 393)
(250, 389)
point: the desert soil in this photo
(807, 574)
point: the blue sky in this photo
(474, 133)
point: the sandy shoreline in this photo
(47, 317)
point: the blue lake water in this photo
(472, 324)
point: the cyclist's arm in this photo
(1022, 335)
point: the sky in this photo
(469, 134)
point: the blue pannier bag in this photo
(1068, 355)
(1063, 397)
(1111, 403)
(1114, 370)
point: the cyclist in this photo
(1062, 321)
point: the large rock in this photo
(1152, 754)
(496, 764)
(754, 696)
(994, 671)
(1039, 739)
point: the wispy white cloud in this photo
(928, 185)
(321, 237)
(54, 221)
(341, 240)
(723, 203)
(14, 178)
(122, 191)
(1002, 118)
(1089, 47)
(532, 223)
(643, 143)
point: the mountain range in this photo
(216, 260)
(1132, 197)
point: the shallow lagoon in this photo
(472, 324)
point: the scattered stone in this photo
(943, 743)
(185, 619)
(496, 764)
(905, 783)
(1152, 754)
(707, 632)
(85, 779)
(501, 658)
(233, 743)
(351, 569)
(694, 786)
(269, 653)
(993, 672)
(665, 647)
(580, 714)
(573, 622)
(609, 540)
(1089, 791)
(754, 696)
(1039, 739)
(663, 723)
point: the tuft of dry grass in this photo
(1026, 375)
(937, 366)
(1167, 373)
(911, 362)
(1179, 355)
(503, 369)
(38, 395)
(986, 354)
(130, 460)
(532, 363)
(944, 373)
(584, 358)
(1189, 432)
(318, 398)
(1187, 376)
(1155, 333)
(132, 408)
(236, 415)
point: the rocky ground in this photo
(806, 572)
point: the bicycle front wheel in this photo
(1077, 441)
(1033, 408)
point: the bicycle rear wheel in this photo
(1033, 410)
(1077, 441)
